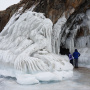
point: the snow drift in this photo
(26, 50)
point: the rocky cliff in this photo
(53, 9)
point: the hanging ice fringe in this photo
(26, 50)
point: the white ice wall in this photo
(26, 49)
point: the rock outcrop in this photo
(52, 9)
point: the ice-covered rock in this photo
(26, 47)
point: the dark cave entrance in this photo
(64, 51)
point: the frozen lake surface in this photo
(80, 81)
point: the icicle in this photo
(56, 34)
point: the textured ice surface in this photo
(26, 50)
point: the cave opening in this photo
(64, 51)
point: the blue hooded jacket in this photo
(76, 54)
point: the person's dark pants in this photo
(76, 63)
(71, 61)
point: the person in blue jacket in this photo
(76, 54)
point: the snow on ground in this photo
(6, 3)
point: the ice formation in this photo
(56, 35)
(82, 43)
(26, 50)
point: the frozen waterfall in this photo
(26, 50)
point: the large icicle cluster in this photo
(26, 50)
(56, 34)
(69, 32)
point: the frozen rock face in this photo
(76, 29)
(75, 33)
(8, 13)
(26, 47)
